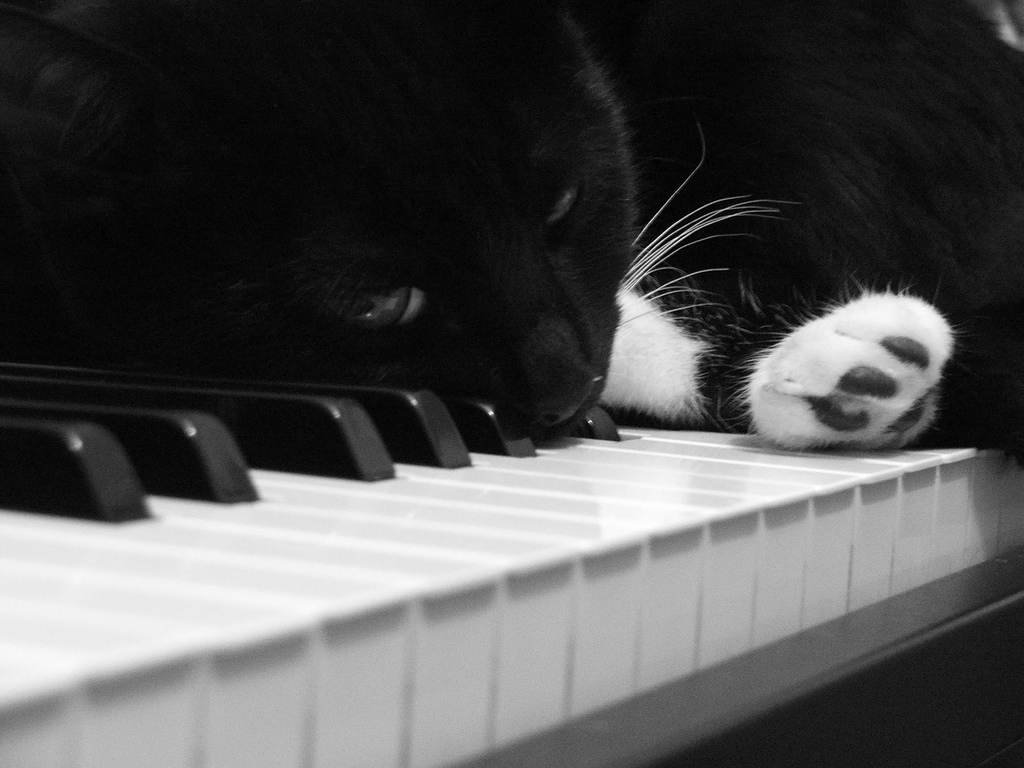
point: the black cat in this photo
(421, 193)
(442, 195)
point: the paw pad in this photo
(907, 350)
(866, 380)
(912, 417)
(865, 375)
(830, 412)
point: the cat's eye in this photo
(397, 307)
(563, 205)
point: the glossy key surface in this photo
(67, 468)
(299, 433)
(414, 423)
(447, 612)
(188, 454)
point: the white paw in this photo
(654, 365)
(865, 375)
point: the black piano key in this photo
(334, 437)
(596, 424)
(185, 454)
(306, 434)
(69, 469)
(415, 425)
(485, 431)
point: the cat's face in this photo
(425, 194)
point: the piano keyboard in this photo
(430, 618)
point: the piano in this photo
(635, 597)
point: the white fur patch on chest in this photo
(655, 364)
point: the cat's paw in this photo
(654, 364)
(865, 375)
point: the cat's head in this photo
(419, 193)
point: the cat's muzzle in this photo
(561, 410)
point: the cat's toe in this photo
(866, 375)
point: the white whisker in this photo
(703, 153)
(681, 277)
(678, 234)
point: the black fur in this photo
(895, 131)
(219, 187)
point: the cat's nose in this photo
(558, 410)
(558, 378)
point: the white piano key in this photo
(827, 577)
(982, 515)
(451, 711)
(484, 482)
(607, 620)
(950, 533)
(59, 585)
(145, 686)
(445, 612)
(784, 539)
(420, 488)
(727, 602)
(487, 537)
(455, 656)
(155, 718)
(909, 461)
(428, 737)
(28, 675)
(259, 708)
(40, 709)
(634, 474)
(746, 450)
(614, 495)
(378, 654)
(296, 538)
(670, 606)
(912, 554)
(481, 483)
(258, 653)
(360, 692)
(536, 645)
(874, 540)
(337, 601)
(905, 458)
(682, 462)
(406, 501)
(523, 514)
(598, 678)
(94, 547)
(592, 673)
(447, 632)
